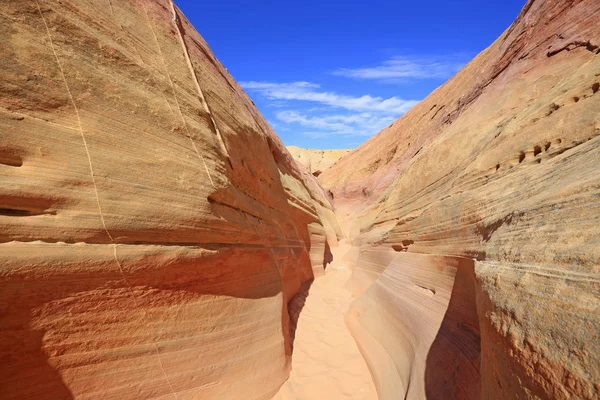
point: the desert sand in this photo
(327, 363)
(158, 241)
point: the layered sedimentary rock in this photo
(153, 227)
(478, 215)
(316, 161)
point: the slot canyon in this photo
(159, 241)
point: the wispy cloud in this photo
(307, 91)
(402, 68)
(304, 108)
(362, 124)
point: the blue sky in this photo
(329, 75)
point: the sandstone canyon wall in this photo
(153, 227)
(477, 215)
(316, 161)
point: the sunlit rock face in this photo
(477, 218)
(153, 227)
(316, 161)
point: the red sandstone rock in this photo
(153, 226)
(484, 200)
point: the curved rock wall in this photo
(421, 304)
(153, 226)
(499, 167)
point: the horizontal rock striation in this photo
(153, 227)
(478, 215)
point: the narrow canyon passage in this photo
(155, 229)
(326, 363)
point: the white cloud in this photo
(303, 108)
(306, 91)
(402, 68)
(363, 124)
(269, 85)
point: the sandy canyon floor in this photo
(327, 363)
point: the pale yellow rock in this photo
(316, 161)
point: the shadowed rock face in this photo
(477, 218)
(153, 227)
(155, 230)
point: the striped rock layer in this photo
(153, 227)
(476, 217)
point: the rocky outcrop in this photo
(153, 227)
(316, 161)
(155, 231)
(477, 217)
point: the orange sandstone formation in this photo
(155, 231)
(153, 227)
(477, 217)
(316, 161)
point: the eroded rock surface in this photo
(316, 161)
(155, 230)
(327, 363)
(477, 218)
(153, 227)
